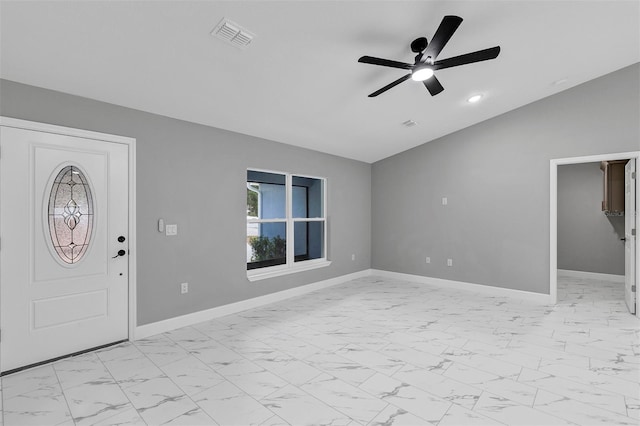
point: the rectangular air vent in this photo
(233, 34)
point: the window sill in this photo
(263, 274)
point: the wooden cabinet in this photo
(613, 187)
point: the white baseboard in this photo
(460, 285)
(591, 275)
(189, 319)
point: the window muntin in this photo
(70, 214)
(285, 215)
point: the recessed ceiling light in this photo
(561, 81)
(474, 99)
(409, 123)
(422, 74)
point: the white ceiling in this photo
(300, 82)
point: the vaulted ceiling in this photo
(299, 81)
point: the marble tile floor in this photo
(373, 351)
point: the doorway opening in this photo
(614, 260)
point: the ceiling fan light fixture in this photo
(421, 74)
(475, 98)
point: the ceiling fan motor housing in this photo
(419, 44)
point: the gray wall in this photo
(587, 239)
(496, 177)
(195, 176)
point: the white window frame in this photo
(291, 266)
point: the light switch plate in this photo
(171, 229)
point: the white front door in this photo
(63, 218)
(629, 236)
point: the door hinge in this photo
(633, 232)
(633, 175)
(633, 289)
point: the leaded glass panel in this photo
(70, 214)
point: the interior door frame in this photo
(131, 147)
(553, 216)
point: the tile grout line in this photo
(118, 384)
(228, 381)
(520, 405)
(62, 393)
(170, 379)
(315, 377)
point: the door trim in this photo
(131, 147)
(553, 213)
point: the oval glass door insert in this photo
(70, 214)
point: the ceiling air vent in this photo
(233, 34)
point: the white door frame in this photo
(131, 145)
(553, 203)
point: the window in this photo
(286, 223)
(70, 214)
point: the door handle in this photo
(623, 239)
(120, 253)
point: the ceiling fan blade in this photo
(447, 27)
(469, 58)
(389, 86)
(385, 62)
(433, 85)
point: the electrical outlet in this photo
(449, 262)
(184, 288)
(171, 230)
(427, 260)
(444, 201)
(353, 257)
